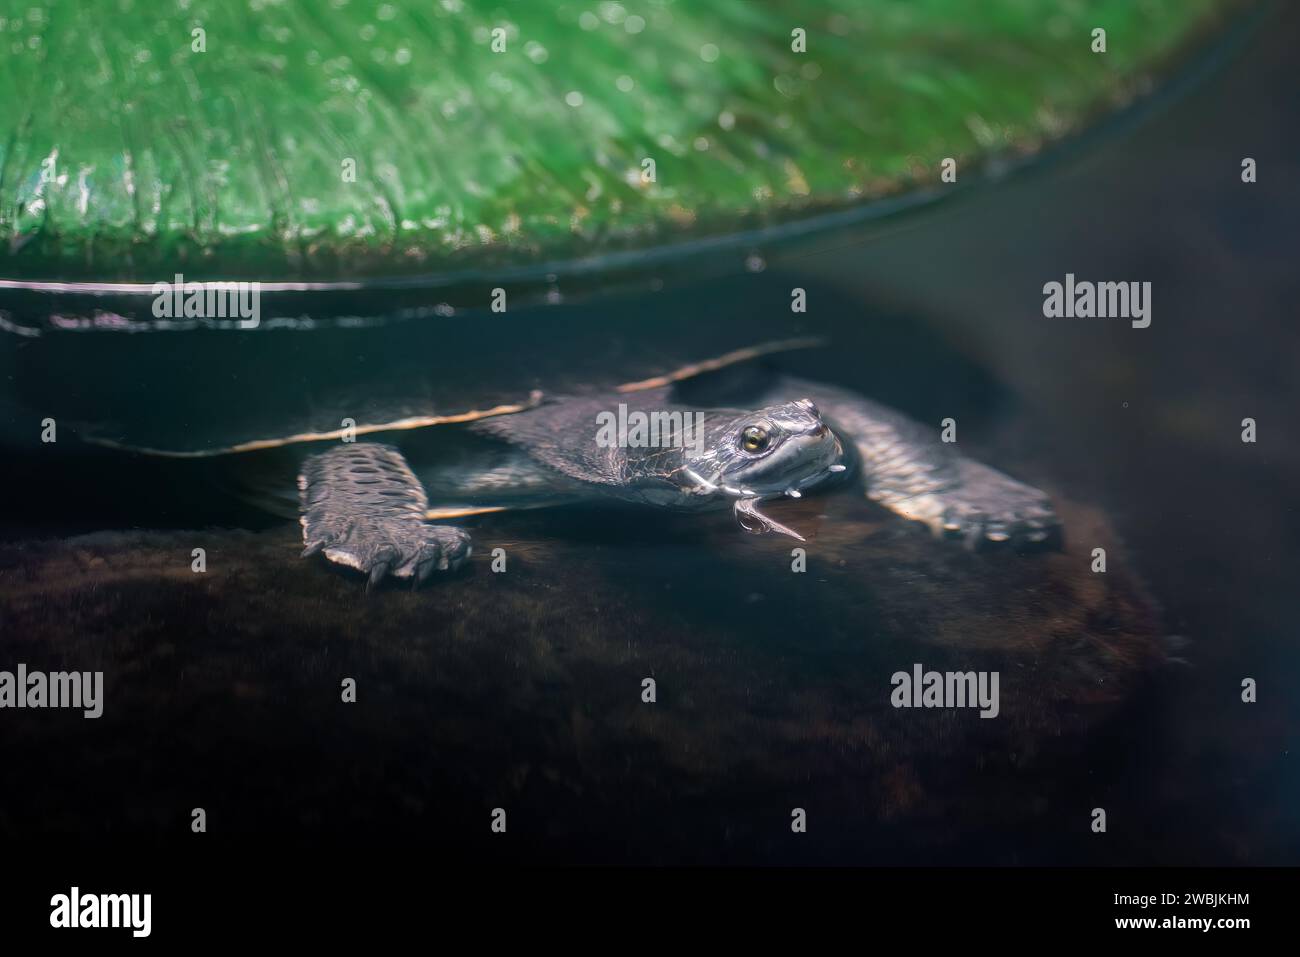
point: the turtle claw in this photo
(377, 574)
(381, 563)
(431, 560)
(747, 508)
(313, 547)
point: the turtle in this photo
(746, 433)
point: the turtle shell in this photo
(208, 391)
(464, 143)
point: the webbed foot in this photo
(364, 508)
(985, 506)
(400, 549)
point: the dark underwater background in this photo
(523, 690)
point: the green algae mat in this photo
(360, 138)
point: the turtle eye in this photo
(754, 439)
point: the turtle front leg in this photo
(909, 471)
(981, 504)
(364, 508)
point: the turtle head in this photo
(780, 450)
